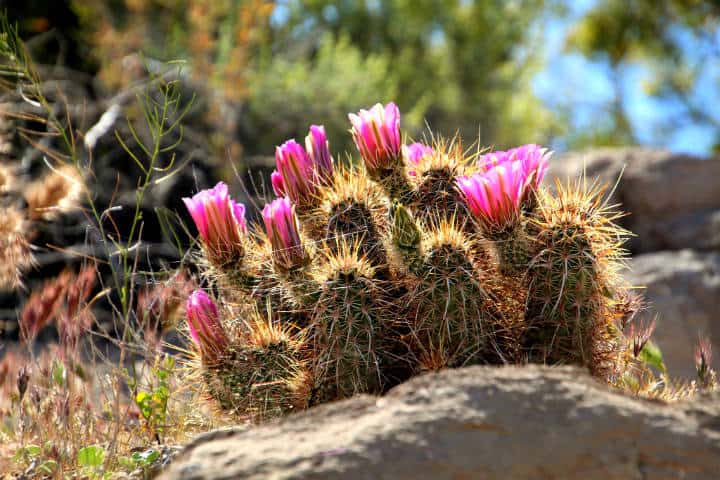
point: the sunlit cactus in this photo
(433, 192)
(262, 374)
(573, 278)
(354, 210)
(350, 320)
(416, 257)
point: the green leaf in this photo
(91, 456)
(652, 355)
(146, 458)
(30, 451)
(48, 467)
(128, 463)
(59, 374)
(144, 402)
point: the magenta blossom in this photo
(220, 222)
(415, 152)
(533, 158)
(376, 133)
(495, 197)
(295, 175)
(204, 324)
(282, 229)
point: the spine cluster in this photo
(416, 258)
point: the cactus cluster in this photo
(416, 258)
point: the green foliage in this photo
(90, 459)
(674, 40)
(651, 355)
(153, 403)
(143, 460)
(338, 79)
(463, 65)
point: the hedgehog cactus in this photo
(416, 258)
(573, 278)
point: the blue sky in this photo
(570, 80)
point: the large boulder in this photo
(683, 289)
(479, 422)
(673, 199)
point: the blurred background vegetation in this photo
(566, 73)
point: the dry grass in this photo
(15, 255)
(71, 400)
(59, 191)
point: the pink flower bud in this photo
(376, 133)
(299, 172)
(220, 222)
(318, 150)
(204, 324)
(415, 152)
(282, 229)
(296, 170)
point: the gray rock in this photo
(673, 200)
(479, 422)
(683, 288)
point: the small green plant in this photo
(153, 403)
(90, 461)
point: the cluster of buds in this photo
(301, 171)
(507, 179)
(376, 133)
(205, 328)
(220, 222)
(283, 231)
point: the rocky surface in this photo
(683, 289)
(479, 422)
(673, 200)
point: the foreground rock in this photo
(673, 199)
(478, 422)
(683, 289)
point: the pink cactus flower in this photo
(415, 152)
(376, 133)
(495, 197)
(533, 158)
(220, 222)
(282, 229)
(318, 149)
(278, 183)
(205, 328)
(299, 172)
(296, 170)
